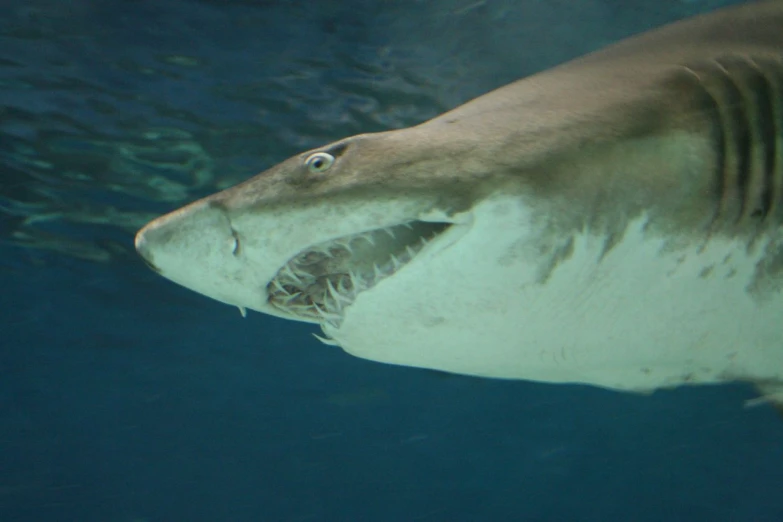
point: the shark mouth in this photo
(319, 283)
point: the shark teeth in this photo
(319, 283)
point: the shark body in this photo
(616, 221)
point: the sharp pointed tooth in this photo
(331, 289)
(410, 251)
(390, 232)
(337, 296)
(292, 297)
(290, 273)
(301, 309)
(333, 301)
(355, 282)
(408, 225)
(377, 271)
(279, 306)
(329, 302)
(278, 286)
(242, 311)
(395, 262)
(369, 238)
(326, 316)
(341, 285)
(326, 340)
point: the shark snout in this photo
(142, 244)
(158, 238)
(197, 247)
(185, 238)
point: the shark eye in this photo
(319, 162)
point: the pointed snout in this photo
(164, 237)
(183, 243)
(142, 244)
(198, 247)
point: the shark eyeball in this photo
(319, 162)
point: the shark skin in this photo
(614, 221)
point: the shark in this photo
(614, 221)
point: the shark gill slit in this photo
(746, 96)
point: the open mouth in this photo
(320, 282)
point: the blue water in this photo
(124, 398)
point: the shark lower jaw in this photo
(322, 281)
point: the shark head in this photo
(304, 239)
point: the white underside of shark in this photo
(640, 317)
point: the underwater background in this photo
(124, 398)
